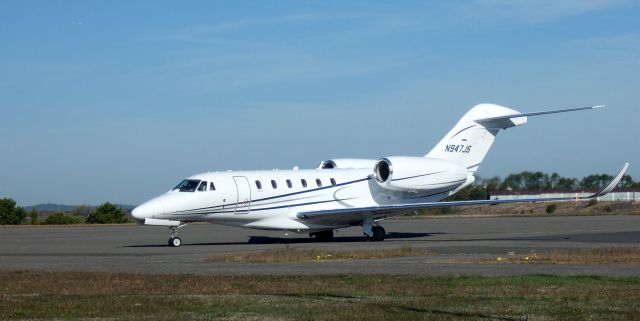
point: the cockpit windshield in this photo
(188, 185)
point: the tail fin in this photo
(470, 140)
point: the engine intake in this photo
(328, 164)
(351, 163)
(383, 170)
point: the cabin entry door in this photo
(243, 200)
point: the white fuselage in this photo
(271, 199)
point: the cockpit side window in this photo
(202, 187)
(212, 187)
(188, 185)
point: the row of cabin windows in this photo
(202, 187)
(303, 182)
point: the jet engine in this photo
(351, 163)
(417, 174)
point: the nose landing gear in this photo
(174, 240)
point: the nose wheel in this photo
(174, 240)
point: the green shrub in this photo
(592, 202)
(33, 217)
(447, 210)
(10, 214)
(59, 218)
(107, 213)
(551, 208)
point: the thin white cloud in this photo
(228, 63)
(627, 41)
(538, 11)
(264, 65)
(204, 31)
(624, 47)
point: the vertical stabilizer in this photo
(470, 140)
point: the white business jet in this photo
(343, 192)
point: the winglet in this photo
(612, 184)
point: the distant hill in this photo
(49, 207)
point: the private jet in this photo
(344, 192)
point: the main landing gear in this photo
(378, 233)
(373, 232)
(174, 240)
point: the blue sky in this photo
(119, 100)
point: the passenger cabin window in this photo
(188, 185)
(333, 182)
(304, 182)
(202, 187)
(319, 182)
(258, 184)
(212, 187)
(289, 184)
(274, 184)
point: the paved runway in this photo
(143, 249)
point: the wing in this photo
(356, 214)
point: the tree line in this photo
(538, 181)
(107, 213)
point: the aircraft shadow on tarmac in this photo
(344, 239)
(299, 240)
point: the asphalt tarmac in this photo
(143, 249)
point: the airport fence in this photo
(617, 196)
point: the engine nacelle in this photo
(400, 173)
(352, 163)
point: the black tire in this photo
(175, 241)
(378, 233)
(324, 236)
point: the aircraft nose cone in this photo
(146, 210)
(137, 213)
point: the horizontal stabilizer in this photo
(561, 111)
(513, 120)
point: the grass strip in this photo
(614, 255)
(113, 296)
(296, 255)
